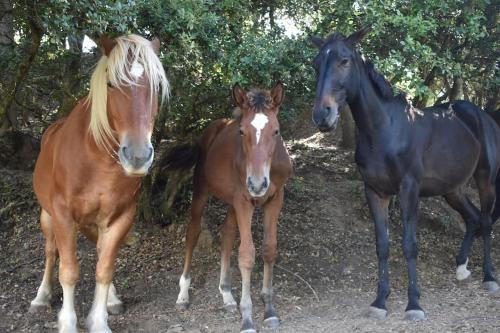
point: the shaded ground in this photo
(324, 279)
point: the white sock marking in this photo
(136, 70)
(44, 293)
(67, 316)
(184, 293)
(97, 320)
(259, 122)
(462, 271)
(112, 296)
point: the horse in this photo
(244, 163)
(88, 174)
(412, 153)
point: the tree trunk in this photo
(9, 90)
(272, 9)
(71, 78)
(492, 101)
(144, 209)
(348, 140)
(6, 29)
(457, 91)
(421, 101)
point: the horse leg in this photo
(228, 236)
(108, 244)
(409, 205)
(200, 198)
(64, 229)
(44, 294)
(471, 216)
(114, 304)
(379, 209)
(271, 213)
(487, 196)
(246, 260)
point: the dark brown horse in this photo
(87, 174)
(243, 162)
(410, 153)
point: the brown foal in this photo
(87, 175)
(243, 162)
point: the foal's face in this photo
(336, 76)
(259, 131)
(132, 110)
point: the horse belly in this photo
(446, 169)
(218, 172)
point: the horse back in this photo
(213, 130)
(484, 127)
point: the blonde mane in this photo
(115, 69)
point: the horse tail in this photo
(496, 210)
(182, 157)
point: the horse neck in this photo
(369, 110)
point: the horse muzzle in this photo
(257, 187)
(136, 161)
(325, 118)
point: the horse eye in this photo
(344, 61)
(241, 132)
(277, 132)
(110, 85)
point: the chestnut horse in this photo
(243, 162)
(410, 153)
(87, 176)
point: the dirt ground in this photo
(325, 277)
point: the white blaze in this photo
(259, 122)
(136, 70)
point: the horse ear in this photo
(239, 95)
(317, 41)
(277, 94)
(357, 36)
(107, 44)
(155, 43)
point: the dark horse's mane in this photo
(384, 88)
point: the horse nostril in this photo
(265, 183)
(150, 153)
(126, 152)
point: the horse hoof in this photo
(490, 286)
(231, 307)
(183, 306)
(249, 330)
(415, 315)
(116, 309)
(39, 307)
(463, 275)
(376, 313)
(271, 322)
(248, 327)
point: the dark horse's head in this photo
(338, 75)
